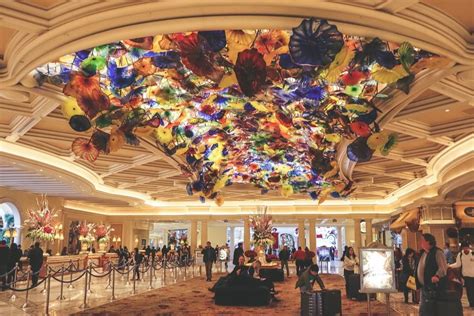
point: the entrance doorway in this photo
(10, 222)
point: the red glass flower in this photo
(250, 70)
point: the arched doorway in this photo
(10, 218)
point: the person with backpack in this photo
(465, 261)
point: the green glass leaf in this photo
(407, 55)
(103, 121)
(93, 64)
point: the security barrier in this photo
(19, 281)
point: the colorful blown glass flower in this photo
(262, 107)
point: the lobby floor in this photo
(100, 295)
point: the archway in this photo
(10, 218)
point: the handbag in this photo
(411, 283)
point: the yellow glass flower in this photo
(377, 140)
(340, 62)
(71, 108)
(163, 135)
(384, 75)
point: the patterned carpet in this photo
(193, 298)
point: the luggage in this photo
(353, 287)
(321, 303)
(242, 296)
(452, 308)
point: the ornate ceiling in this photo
(436, 114)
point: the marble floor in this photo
(101, 294)
(74, 297)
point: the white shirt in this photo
(467, 263)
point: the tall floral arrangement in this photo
(262, 228)
(86, 232)
(102, 233)
(40, 221)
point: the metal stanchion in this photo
(113, 284)
(110, 276)
(194, 268)
(128, 275)
(27, 295)
(164, 269)
(48, 292)
(134, 291)
(151, 278)
(15, 276)
(90, 278)
(61, 289)
(70, 285)
(43, 291)
(86, 283)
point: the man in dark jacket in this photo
(284, 256)
(137, 260)
(36, 261)
(238, 252)
(432, 267)
(209, 258)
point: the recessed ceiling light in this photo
(41, 170)
(447, 110)
(60, 176)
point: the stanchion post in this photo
(48, 292)
(43, 291)
(113, 284)
(61, 289)
(28, 274)
(128, 274)
(164, 269)
(151, 277)
(90, 278)
(86, 283)
(70, 285)
(134, 280)
(110, 276)
(15, 276)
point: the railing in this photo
(19, 281)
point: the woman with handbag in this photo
(407, 277)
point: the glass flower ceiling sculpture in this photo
(267, 107)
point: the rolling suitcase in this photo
(321, 303)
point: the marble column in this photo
(339, 241)
(369, 234)
(312, 235)
(194, 236)
(232, 239)
(357, 235)
(246, 233)
(203, 233)
(301, 234)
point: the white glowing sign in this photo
(377, 270)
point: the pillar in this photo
(339, 241)
(193, 236)
(312, 235)
(301, 234)
(246, 233)
(357, 235)
(203, 233)
(369, 234)
(232, 239)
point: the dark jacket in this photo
(432, 268)
(238, 252)
(284, 255)
(15, 255)
(209, 254)
(4, 255)
(36, 258)
(138, 257)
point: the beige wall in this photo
(350, 237)
(217, 234)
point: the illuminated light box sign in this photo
(377, 270)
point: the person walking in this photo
(284, 256)
(431, 269)
(238, 252)
(137, 260)
(35, 256)
(299, 257)
(209, 258)
(465, 261)
(408, 270)
(350, 263)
